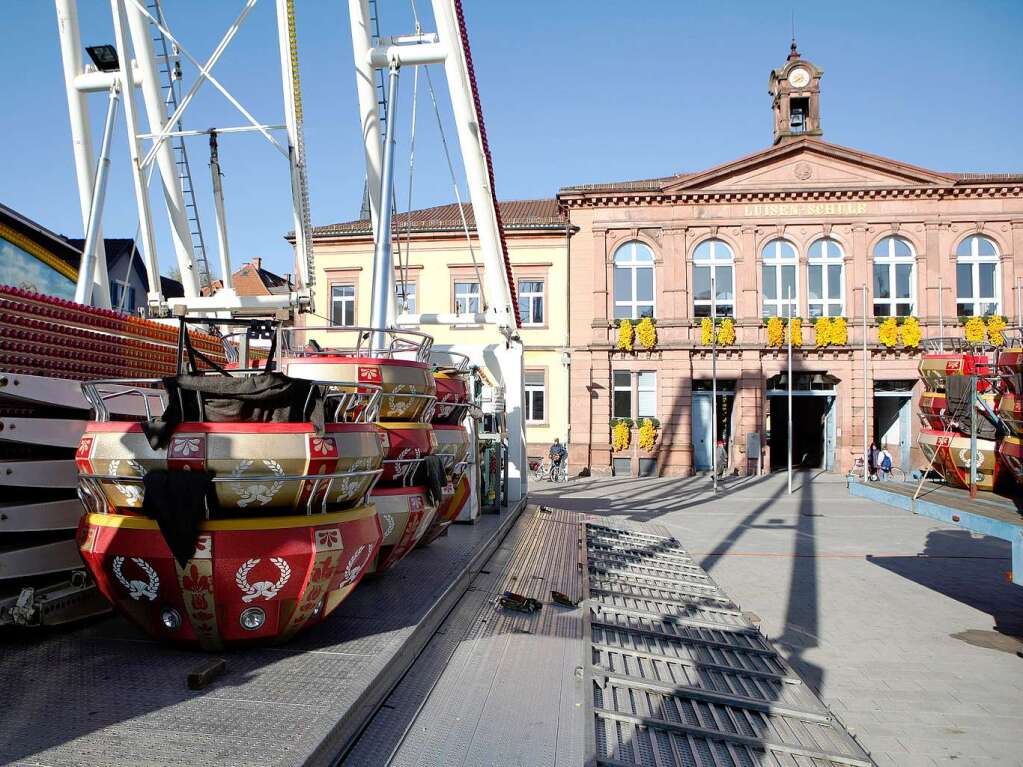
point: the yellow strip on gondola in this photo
(250, 523)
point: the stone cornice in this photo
(613, 199)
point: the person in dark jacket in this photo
(558, 455)
(872, 462)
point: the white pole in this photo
(87, 267)
(138, 176)
(156, 112)
(218, 202)
(789, 304)
(81, 137)
(383, 256)
(866, 364)
(369, 111)
(296, 147)
(941, 316)
(498, 291)
(714, 381)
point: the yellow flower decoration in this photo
(646, 333)
(796, 329)
(995, 326)
(822, 332)
(624, 336)
(621, 435)
(888, 332)
(775, 332)
(976, 330)
(706, 331)
(647, 435)
(839, 332)
(726, 333)
(911, 332)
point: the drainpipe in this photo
(568, 331)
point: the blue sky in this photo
(573, 92)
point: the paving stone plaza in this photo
(908, 628)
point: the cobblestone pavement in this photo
(907, 627)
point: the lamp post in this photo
(789, 303)
(714, 381)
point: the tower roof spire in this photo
(793, 53)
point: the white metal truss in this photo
(446, 47)
(132, 21)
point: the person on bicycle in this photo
(557, 454)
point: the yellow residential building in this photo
(439, 273)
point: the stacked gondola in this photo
(1009, 370)
(949, 369)
(451, 419)
(242, 514)
(410, 491)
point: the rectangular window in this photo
(122, 296)
(531, 302)
(342, 305)
(646, 395)
(723, 302)
(639, 387)
(467, 298)
(622, 404)
(405, 292)
(536, 396)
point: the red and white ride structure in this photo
(299, 510)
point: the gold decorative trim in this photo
(258, 523)
(37, 250)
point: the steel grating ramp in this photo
(678, 676)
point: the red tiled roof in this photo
(642, 185)
(993, 178)
(515, 214)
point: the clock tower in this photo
(795, 91)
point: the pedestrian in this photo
(872, 462)
(722, 457)
(884, 463)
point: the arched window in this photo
(713, 258)
(825, 283)
(894, 278)
(977, 277)
(634, 281)
(780, 279)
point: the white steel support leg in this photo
(292, 119)
(218, 202)
(152, 96)
(383, 256)
(509, 358)
(138, 176)
(81, 137)
(369, 114)
(498, 291)
(87, 267)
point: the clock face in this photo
(799, 77)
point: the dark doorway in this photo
(808, 431)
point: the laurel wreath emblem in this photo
(352, 570)
(264, 589)
(138, 589)
(132, 493)
(249, 493)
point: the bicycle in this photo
(544, 470)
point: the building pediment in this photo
(809, 164)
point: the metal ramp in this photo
(678, 676)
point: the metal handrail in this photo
(427, 413)
(461, 364)
(405, 468)
(349, 396)
(97, 399)
(1012, 337)
(399, 342)
(89, 485)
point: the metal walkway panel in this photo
(509, 691)
(679, 677)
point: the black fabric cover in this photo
(262, 398)
(957, 404)
(431, 474)
(178, 500)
